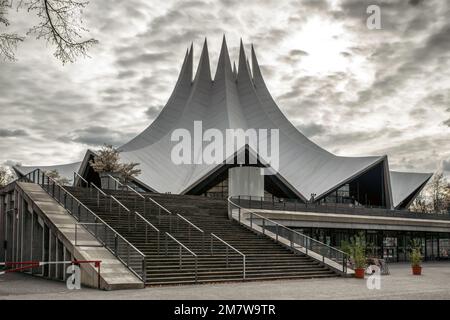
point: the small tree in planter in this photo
(107, 163)
(416, 258)
(54, 174)
(356, 248)
(128, 171)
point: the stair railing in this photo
(77, 183)
(320, 251)
(161, 209)
(121, 248)
(227, 247)
(182, 247)
(113, 205)
(123, 186)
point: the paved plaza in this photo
(433, 284)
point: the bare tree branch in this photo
(8, 45)
(60, 25)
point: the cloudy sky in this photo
(352, 90)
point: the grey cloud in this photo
(126, 74)
(152, 112)
(312, 129)
(6, 133)
(144, 58)
(98, 135)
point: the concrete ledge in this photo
(345, 221)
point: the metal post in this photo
(212, 243)
(144, 270)
(195, 269)
(227, 255)
(146, 233)
(264, 226)
(167, 248)
(243, 267)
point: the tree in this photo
(54, 174)
(60, 24)
(439, 192)
(421, 204)
(5, 177)
(128, 171)
(107, 160)
(435, 197)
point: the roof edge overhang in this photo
(415, 193)
(387, 183)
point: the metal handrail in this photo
(187, 249)
(227, 244)
(76, 174)
(288, 204)
(292, 232)
(158, 204)
(119, 203)
(155, 202)
(213, 236)
(148, 222)
(98, 189)
(125, 185)
(117, 182)
(182, 246)
(31, 176)
(136, 214)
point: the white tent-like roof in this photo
(241, 99)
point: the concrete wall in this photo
(246, 181)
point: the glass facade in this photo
(341, 195)
(394, 246)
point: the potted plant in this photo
(356, 248)
(107, 163)
(416, 259)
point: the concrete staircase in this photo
(265, 259)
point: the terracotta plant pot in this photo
(417, 270)
(359, 273)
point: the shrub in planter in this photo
(356, 248)
(416, 259)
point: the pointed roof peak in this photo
(244, 70)
(204, 69)
(224, 63)
(257, 76)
